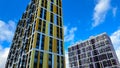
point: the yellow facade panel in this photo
(55, 61)
(41, 25)
(35, 40)
(37, 23)
(38, 13)
(55, 2)
(54, 46)
(60, 61)
(48, 16)
(46, 29)
(54, 31)
(32, 59)
(48, 5)
(54, 8)
(45, 60)
(38, 60)
(46, 47)
(40, 1)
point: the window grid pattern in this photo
(37, 35)
(96, 52)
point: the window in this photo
(78, 51)
(89, 48)
(89, 54)
(83, 50)
(114, 62)
(41, 12)
(45, 12)
(39, 26)
(79, 62)
(51, 17)
(44, 26)
(45, 4)
(108, 48)
(51, 29)
(79, 57)
(58, 46)
(97, 65)
(62, 62)
(41, 59)
(102, 44)
(109, 63)
(61, 33)
(51, 7)
(42, 4)
(105, 63)
(61, 22)
(93, 41)
(107, 42)
(95, 52)
(50, 61)
(102, 57)
(91, 66)
(61, 45)
(110, 55)
(57, 8)
(55, 19)
(58, 62)
(50, 44)
(60, 11)
(38, 41)
(52, 0)
(57, 32)
(60, 3)
(42, 43)
(69, 49)
(36, 59)
(96, 58)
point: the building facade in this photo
(96, 52)
(39, 39)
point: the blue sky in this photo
(82, 18)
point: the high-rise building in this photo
(96, 52)
(39, 39)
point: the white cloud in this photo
(66, 58)
(100, 12)
(6, 30)
(3, 56)
(114, 10)
(115, 37)
(6, 34)
(118, 53)
(69, 34)
(65, 30)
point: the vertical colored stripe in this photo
(48, 5)
(55, 61)
(46, 43)
(35, 40)
(37, 24)
(45, 60)
(38, 60)
(32, 59)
